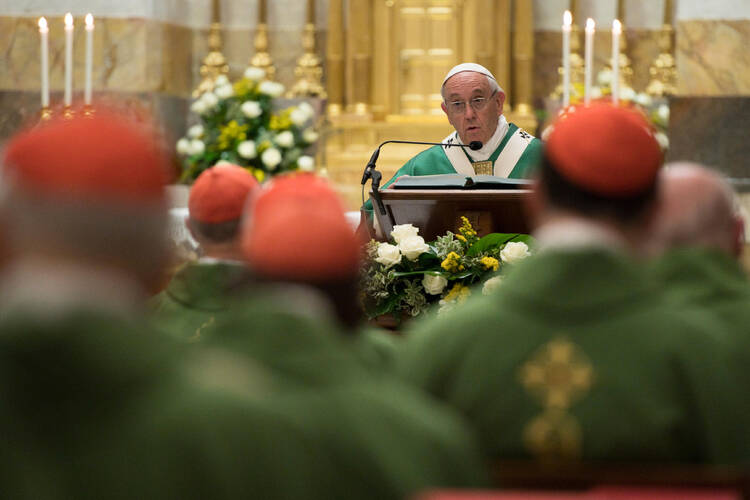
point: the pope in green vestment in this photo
(473, 102)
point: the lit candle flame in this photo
(43, 25)
(567, 19)
(590, 25)
(89, 21)
(617, 27)
(68, 21)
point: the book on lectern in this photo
(459, 181)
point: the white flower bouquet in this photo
(238, 125)
(406, 276)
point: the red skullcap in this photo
(297, 231)
(219, 193)
(104, 156)
(604, 149)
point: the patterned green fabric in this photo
(580, 355)
(433, 161)
(195, 296)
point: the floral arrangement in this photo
(407, 276)
(655, 108)
(238, 125)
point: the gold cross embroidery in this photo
(482, 167)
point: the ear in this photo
(500, 96)
(193, 232)
(442, 106)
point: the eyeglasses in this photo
(477, 104)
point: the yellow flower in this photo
(281, 121)
(461, 237)
(231, 133)
(490, 263)
(244, 87)
(466, 230)
(259, 174)
(459, 293)
(452, 263)
(263, 146)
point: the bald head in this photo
(696, 209)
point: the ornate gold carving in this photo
(309, 72)
(261, 58)
(215, 63)
(482, 167)
(557, 375)
(663, 72)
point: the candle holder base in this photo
(68, 113)
(45, 114)
(88, 111)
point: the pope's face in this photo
(472, 108)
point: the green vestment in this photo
(197, 293)
(710, 280)
(433, 161)
(97, 406)
(579, 355)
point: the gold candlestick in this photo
(309, 72)
(215, 63)
(624, 63)
(663, 72)
(335, 50)
(261, 58)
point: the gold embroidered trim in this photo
(483, 167)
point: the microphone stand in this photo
(372, 173)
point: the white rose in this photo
(278, 89)
(604, 77)
(183, 146)
(663, 140)
(596, 92)
(254, 73)
(643, 99)
(223, 162)
(267, 87)
(197, 147)
(663, 113)
(224, 91)
(285, 139)
(401, 231)
(251, 109)
(434, 284)
(306, 108)
(246, 149)
(514, 251)
(298, 117)
(198, 107)
(195, 131)
(627, 94)
(413, 247)
(306, 163)
(271, 158)
(491, 285)
(310, 135)
(388, 255)
(221, 80)
(209, 100)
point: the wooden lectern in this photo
(435, 211)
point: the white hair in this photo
(494, 86)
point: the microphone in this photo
(368, 173)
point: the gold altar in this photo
(385, 61)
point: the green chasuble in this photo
(433, 161)
(710, 280)
(99, 406)
(579, 355)
(197, 293)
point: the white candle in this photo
(567, 22)
(616, 32)
(589, 59)
(68, 59)
(43, 34)
(89, 58)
